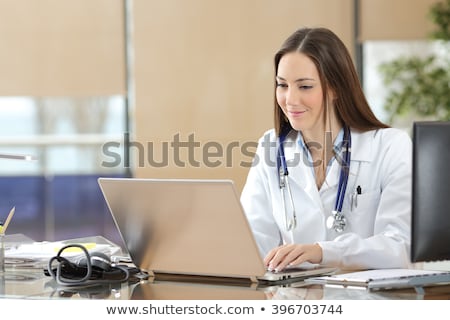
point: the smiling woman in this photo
(348, 204)
(299, 94)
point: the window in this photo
(379, 52)
(57, 196)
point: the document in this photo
(35, 254)
(385, 278)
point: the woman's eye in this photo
(282, 85)
(305, 87)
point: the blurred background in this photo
(97, 88)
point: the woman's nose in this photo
(292, 97)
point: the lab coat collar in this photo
(304, 176)
(361, 145)
(301, 174)
(294, 153)
(361, 150)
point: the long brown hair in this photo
(336, 71)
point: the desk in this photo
(33, 284)
(28, 281)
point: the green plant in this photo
(440, 15)
(421, 86)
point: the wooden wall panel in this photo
(204, 68)
(395, 20)
(62, 48)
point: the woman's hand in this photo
(292, 254)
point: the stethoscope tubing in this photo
(283, 174)
(345, 168)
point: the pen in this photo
(358, 192)
(355, 195)
(25, 157)
(8, 220)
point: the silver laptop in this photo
(189, 228)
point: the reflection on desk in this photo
(33, 284)
(28, 281)
(160, 290)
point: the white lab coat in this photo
(377, 234)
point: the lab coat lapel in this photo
(300, 172)
(361, 150)
(332, 178)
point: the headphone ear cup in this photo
(101, 261)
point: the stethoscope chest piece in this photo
(336, 221)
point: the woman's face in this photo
(299, 92)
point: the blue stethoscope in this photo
(337, 220)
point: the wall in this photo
(204, 68)
(395, 20)
(200, 69)
(62, 48)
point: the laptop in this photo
(190, 228)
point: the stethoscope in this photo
(337, 220)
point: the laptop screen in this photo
(183, 226)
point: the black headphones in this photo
(99, 261)
(91, 268)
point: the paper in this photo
(381, 274)
(383, 278)
(46, 250)
(26, 254)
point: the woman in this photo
(347, 195)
